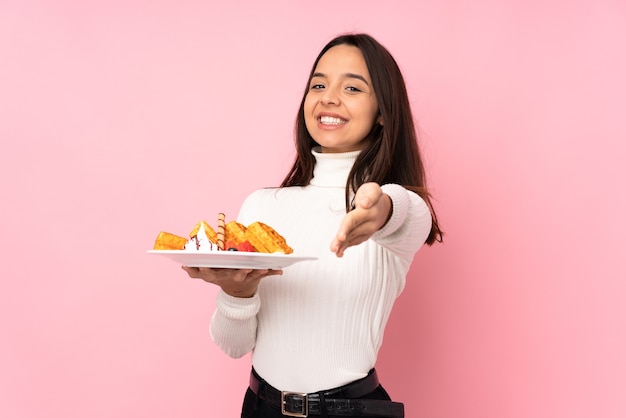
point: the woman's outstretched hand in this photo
(372, 210)
(241, 283)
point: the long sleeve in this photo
(234, 322)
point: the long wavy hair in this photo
(391, 153)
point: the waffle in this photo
(167, 241)
(265, 239)
(235, 232)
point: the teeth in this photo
(328, 120)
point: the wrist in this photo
(240, 293)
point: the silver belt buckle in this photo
(304, 412)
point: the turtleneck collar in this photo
(332, 169)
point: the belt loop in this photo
(323, 410)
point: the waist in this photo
(340, 401)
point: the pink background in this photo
(123, 118)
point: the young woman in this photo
(355, 198)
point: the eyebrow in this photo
(348, 75)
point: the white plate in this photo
(231, 259)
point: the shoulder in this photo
(267, 200)
(258, 196)
(268, 193)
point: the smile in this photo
(329, 120)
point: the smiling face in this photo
(340, 107)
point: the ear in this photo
(379, 120)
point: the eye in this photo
(353, 89)
(316, 84)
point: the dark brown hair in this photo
(391, 153)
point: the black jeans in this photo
(256, 408)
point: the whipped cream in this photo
(201, 242)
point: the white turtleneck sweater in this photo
(320, 325)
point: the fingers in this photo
(220, 275)
(340, 244)
(213, 275)
(356, 226)
(259, 274)
(367, 195)
(371, 210)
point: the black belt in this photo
(336, 402)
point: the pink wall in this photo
(122, 118)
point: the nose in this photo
(330, 97)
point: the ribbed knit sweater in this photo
(320, 325)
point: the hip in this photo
(363, 398)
